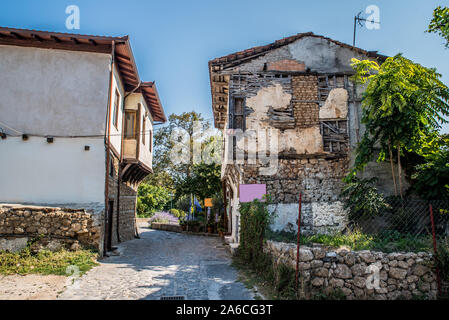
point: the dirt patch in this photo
(32, 287)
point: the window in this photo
(143, 129)
(130, 124)
(115, 110)
(151, 141)
(111, 168)
(236, 116)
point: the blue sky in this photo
(173, 40)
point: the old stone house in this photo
(76, 126)
(299, 89)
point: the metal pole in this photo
(435, 249)
(297, 243)
(355, 28)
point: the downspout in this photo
(107, 139)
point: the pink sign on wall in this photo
(249, 192)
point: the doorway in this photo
(108, 227)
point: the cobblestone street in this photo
(163, 264)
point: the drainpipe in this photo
(107, 140)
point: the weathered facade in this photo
(76, 123)
(298, 91)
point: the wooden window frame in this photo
(134, 136)
(115, 108)
(233, 115)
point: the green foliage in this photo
(440, 23)
(442, 260)
(46, 262)
(183, 203)
(151, 199)
(362, 198)
(388, 241)
(431, 179)
(180, 214)
(254, 219)
(403, 106)
(204, 181)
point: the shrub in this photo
(151, 199)
(362, 198)
(177, 213)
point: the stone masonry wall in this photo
(319, 181)
(361, 275)
(127, 205)
(68, 225)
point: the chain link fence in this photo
(405, 225)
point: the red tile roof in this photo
(256, 51)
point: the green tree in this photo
(151, 199)
(204, 182)
(440, 23)
(171, 173)
(431, 179)
(403, 106)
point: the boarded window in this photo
(335, 136)
(115, 110)
(130, 125)
(237, 114)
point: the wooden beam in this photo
(55, 45)
(56, 39)
(92, 41)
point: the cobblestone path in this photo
(163, 264)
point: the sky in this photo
(173, 40)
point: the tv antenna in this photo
(358, 19)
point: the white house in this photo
(76, 126)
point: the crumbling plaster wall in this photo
(317, 174)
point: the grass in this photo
(389, 241)
(46, 262)
(272, 284)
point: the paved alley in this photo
(163, 264)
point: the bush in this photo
(177, 213)
(255, 218)
(442, 260)
(362, 198)
(151, 199)
(183, 203)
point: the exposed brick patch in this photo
(305, 93)
(286, 65)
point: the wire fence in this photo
(406, 225)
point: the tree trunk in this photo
(400, 170)
(392, 169)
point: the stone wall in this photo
(361, 275)
(320, 182)
(18, 224)
(126, 205)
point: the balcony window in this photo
(130, 125)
